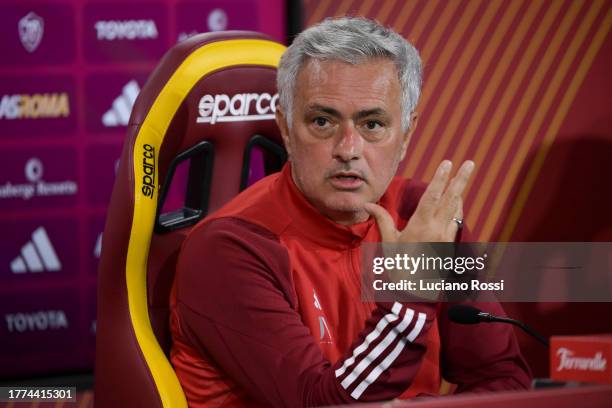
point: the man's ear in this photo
(283, 126)
(414, 119)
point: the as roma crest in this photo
(31, 28)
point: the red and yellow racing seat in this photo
(208, 105)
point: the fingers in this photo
(386, 225)
(453, 227)
(451, 203)
(428, 205)
(433, 219)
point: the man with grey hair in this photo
(284, 324)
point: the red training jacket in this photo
(266, 311)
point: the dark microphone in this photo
(464, 314)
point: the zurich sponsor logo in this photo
(37, 255)
(36, 186)
(126, 30)
(242, 107)
(42, 320)
(119, 113)
(31, 28)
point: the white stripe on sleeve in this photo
(380, 327)
(386, 363)
(378, 350)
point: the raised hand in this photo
(435, 218)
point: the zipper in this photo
(353, 269)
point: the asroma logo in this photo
(31, 28)
(35, 106)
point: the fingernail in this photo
(446, 165)
(469, 165)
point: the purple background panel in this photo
(95, 227)
(13, 119)
(51, 37)
(49, 174)
(125, 31)
(101, 162)
(37, 327)
(195, 17)
(60, 238)
(110, 98)
(66, 56)
(89, 325)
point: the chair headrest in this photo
(224, 98)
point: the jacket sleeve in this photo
(236, 303)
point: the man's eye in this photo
(321, 122)
(373, 124)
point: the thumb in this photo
(386, 225)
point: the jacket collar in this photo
(306, 221)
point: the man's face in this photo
(346, 139)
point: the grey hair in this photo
(352, 40)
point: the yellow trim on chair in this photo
(206, 59)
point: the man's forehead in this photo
(372, 84)
(322, 70)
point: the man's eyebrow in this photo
(371, 112)
(324, 109)
(334, 112)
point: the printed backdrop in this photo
(69, 74)
(523, 88)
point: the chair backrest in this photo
(209, 102)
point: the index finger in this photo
(433, 193)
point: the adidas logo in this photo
(119, 113)
(98, 246)
(37, 255)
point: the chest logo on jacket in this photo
(324, 332)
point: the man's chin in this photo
(345, 206)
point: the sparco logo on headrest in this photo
(238, 108)
(148, 169)
(569, 362)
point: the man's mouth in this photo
(346, 181)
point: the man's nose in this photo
(349, 145)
